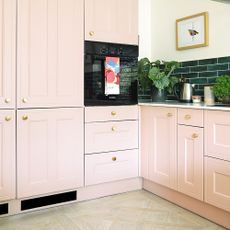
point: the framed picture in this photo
(192, 31)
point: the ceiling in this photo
(222, 1)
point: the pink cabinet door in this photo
(7, 155)
(111, 21)
(158, 145)
(111, 136)
(7, 53)
(107, 167)
(217, 183)
(217, 130)
(190, 161)
(50, 53)
(50, 151)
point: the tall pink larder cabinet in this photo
(50, 96)
(7, 99)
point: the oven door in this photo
(94, 81)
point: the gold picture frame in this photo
(192, 31)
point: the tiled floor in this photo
(138, 210)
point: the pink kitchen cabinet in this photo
(190, 161)
(217, 160)
(217, 130)
(7, 155)
(217, 183)
(50, 53)
(159, 145)
(50, 151)
(111, 21)
(7, 53)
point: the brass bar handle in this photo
(187, 117)
(8, 118)
(25, 117)
(91, 33)
(114, 158)
(24, 100)
(7, 100)
(195, 135)
(169, 114)
(113, 128)
(113, 113)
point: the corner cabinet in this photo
(217, 159)
(50, 151)
(111, 21)
(50, 53)
(7, 53)
(7, 155)
(158, 145)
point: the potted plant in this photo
(156, 75)
(222, 89)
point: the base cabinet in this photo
(50, 151)
(158, 145)
(7, 155)
(217, 183)
(190, 161)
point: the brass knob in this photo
(91, 33)
(8, 118)
(113, 128)
(195, 135)
(187, 117)
(24, 100)
(113, 113)
(114, 158)
(169, 115)
(24, 117)
(7, 100)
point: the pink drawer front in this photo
(107, 167)
(111, 136)
(111, 113)
(193, 117)
(217, 183)
(217, 130)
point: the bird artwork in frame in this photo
(192, 31)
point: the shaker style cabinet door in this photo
(50, 151)
(50, 53)
(111, 21)
(190, 161)
(7, 53)
(158, 145)
(7, 155)
(217, 129)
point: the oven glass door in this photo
(94, 82)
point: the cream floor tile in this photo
(138, 210)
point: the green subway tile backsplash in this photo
(200, 72)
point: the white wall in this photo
(163, 20)
(145, 29)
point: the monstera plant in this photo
(157, 75)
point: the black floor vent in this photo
(4, 209)
(48, 200)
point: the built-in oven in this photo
(110, 74)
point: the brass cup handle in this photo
(195, 135)
(113, 113)
(7, 100)
(187, 117)
(114, 158)
(24, 100)
(25, 117)
(169, 114)
(113, 128)
(8, 118)
(91, 33)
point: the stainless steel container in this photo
(184, 91)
